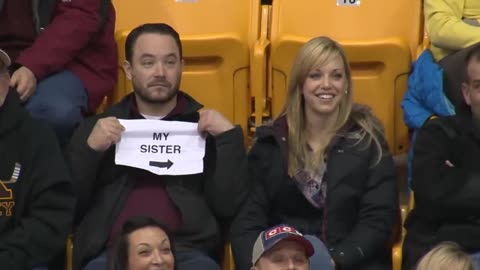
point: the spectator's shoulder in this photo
(441, 126)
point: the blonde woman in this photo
(322, 167)
(446, 256)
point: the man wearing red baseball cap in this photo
(281, 247)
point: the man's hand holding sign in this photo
(213, 122)
(106, 132)
(162, 147)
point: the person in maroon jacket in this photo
(64, 57)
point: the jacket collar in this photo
(185, 110)
(466, 122)
(278, 132)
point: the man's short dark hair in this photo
(150, 28)
(118, 257)
(473, 54)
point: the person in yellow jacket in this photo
(453, 27)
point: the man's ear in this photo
(127, 67)
(465, 92)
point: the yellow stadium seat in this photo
(101, 108)
(380, 38)
(397, 248)
(218, 38)
(260, 69)
(69, 253)
(397, 256)
(227, 261)
(411, 202)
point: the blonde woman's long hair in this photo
(315, 53)
(445, 256)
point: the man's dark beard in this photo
(146, 99)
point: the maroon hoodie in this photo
(71, 40)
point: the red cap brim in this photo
(303, 242)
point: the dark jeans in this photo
(60, 100)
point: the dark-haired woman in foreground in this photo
(144, 243)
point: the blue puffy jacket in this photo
(424, 97)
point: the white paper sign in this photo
(161, 147)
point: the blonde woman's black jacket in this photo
(202, 199)
(361, 205)
(36, 199)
